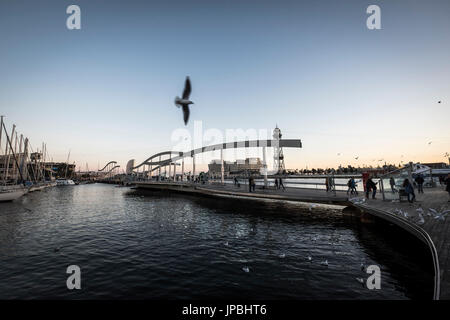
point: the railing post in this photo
(380, 182)
(182, 170)
(265, 166)
(222, 179)
(159, 169)
(174, 171)
(193, 166)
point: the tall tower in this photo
(278, 164)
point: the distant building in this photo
(436, 165)
(249, 165)
(59, 169)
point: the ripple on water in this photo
(161, 246)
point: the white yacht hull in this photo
(65, 182)
(11, 195)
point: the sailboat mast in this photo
(7, 149)
(12, 150)
(67, 165)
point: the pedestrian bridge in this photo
(172, 158)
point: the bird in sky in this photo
(184, 100)
(429, 143)
(439, 101)
(356, 158)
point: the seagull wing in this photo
(187, 88)
(185, 113)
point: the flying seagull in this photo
(356, 158)
(184, 100)
(430, 142)
(439, 101)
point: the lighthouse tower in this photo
(278, 163)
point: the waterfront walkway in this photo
(230, 190)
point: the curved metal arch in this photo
(111, 162)
(283, 143)
(115, 167)
(157, 155)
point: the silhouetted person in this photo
(409, 189)
(249, 184)
(420, 180)
(392, 183)
(349, 185)
(371, 186)
(276, 184)
(447, 182)
(353, 186)
(281, 184)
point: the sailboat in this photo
(10, 189)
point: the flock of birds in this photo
(420, 218)
(309, 258)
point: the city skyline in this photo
(106, 92)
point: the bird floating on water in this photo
(325, 263)
(282, 256)
(246, 269)
(184, 100)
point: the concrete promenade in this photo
(425, 218)
(230, 190)
(429, 219)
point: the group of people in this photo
(408, 187)
(279, 184)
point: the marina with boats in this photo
(24, 169)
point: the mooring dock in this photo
(423, 218)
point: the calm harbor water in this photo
(159, 246)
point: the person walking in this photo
(249, 184)
(420, 180)
(282, 185)
(276, 184)
(349, 185)
(253, 184)
(447, 182)
(353, 186)
(327, 186)
(371, 186)
(392, 183)
(409, 189)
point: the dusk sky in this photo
(106, 92)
